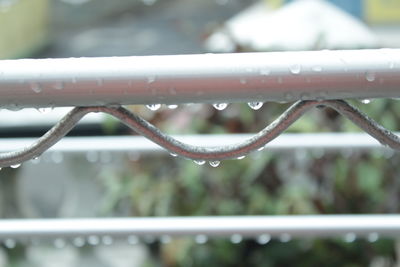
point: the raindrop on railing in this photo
(199, 162)
(78, 241)
(214, 163)
(265, 71)
(44, 110)
(107, 240)
(255, 105)
(153, 107)
(391, 64)
(373, 237)
(133, 240)
(317, 68)
(57, 157)
(201, 239)
(236, 238)
(350, 237)
(15, 166)
(173, 154)
(263, 239)
(92, 156)
(261, 148)
(58, 85)
(370, 76)
(284, 238)
(165, 239)
(36, 87)
(151, 79)
(172, 106)
(220, 106)
(93, 240)
(366, 101)
(59, 243)
(241, 157)
(295, 69)
(10, 243)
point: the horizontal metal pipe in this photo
(327, 141)
(209, 78)
(246, 226)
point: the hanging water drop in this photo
(10, 243)
(201, 239)
(151, 79)
(199, 162)
(172, 106)
(265, 71)
(220, 106)
(154, 107)
(78, 242)
(366, 101)
(92, 156)
(59, 243)
(165, 239)
(15, 166)
(350, 237)
(295, 69)
(255, 105)
(107, 240)
(57, 157)
(373, 237)
(236, 238)
(391, 65)
(36, 87)
(263, 239)
(284, 238)
(173, 154)
(370, 76)
(214, 163)
(241, 157)
(93, 240)
(261, 148)
(58, 85)
(133, 240)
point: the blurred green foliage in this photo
(265, 183)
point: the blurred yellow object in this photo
(274, 3)
(378, 11)
(23, 27)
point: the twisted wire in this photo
(146, 129)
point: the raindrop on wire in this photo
(172, 106)
(366, 101)
(78, 242)
(201, 239)
(241, 157)
(36, 87)
(154, 107)
(350, 237)
(317, 68)
(10, 243)
(284, 238)
(255, 105)
(107, 240)
(133, 240)
(236, 238)
(214, 163)
(220, 106)
(370, 76)
(373, 237)
(93, 240)
(173, 154)
(59, 243)
(199, 162)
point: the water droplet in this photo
(241, 157)
(317, 68)
(59, 243)
(263, 239)
(295, 69)
(350, 237)
(255, 105)
(236, 238)
(366, 101)
(36, 87)
(391, 64)
(172, 106)
(165, 239)
(199, 162)
(373, 237)
(58, 85)
(57, 157)
(10, 243)
(133, 155)
(151, 79)
(15, 166)
(93, 240)
(173, 154)
(154, 107)
(265, 71)
(243, 80)
(214, 163)
(261, 148)
(92, 156)
(370, 76)
(107, 240)
(35, 160)
(220, 106)
(133, 240)
(201, 239)
(78, 242)
(284, 238)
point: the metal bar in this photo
(209, 78)
(246, 226)
(326, 141)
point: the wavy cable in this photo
(146, 129)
